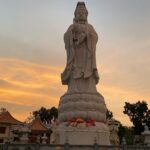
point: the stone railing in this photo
(8, 146)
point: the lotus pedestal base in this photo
(81, 135)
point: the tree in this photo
(54, 113)
(139, 115)
(109, 115)
(129, 135)
(46, 114)
(126, 132)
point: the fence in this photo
(10, 146)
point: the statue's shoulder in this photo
(68, 30)
(90, 26)
(70, 27)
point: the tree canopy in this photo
(45, 114)
(139, 115)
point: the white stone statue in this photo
(80, 40)
(82, 101)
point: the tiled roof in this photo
(6, 117)
(37, 125)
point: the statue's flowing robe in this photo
(81, 61)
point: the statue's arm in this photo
(67, 33)
(68, 41)
(66, 73)
(93, 33)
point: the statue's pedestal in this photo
(82, 105)
(87, 106)
(80, 135)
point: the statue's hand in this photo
(81, 38)
(79, 34)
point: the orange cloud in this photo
(115, 98)
(25, 86)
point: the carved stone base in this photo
(84, 135)
(146, 135)
(82, 105)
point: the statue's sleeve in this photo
(67, 43)
(68, 46)
(68, 40)
(92, 38)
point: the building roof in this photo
(6, 117)
(37, 125)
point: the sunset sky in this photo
(32, 53)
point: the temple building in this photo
(12, 129)
(7, 121)
(38, 130)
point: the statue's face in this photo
(81, 15)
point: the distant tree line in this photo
(138, 113)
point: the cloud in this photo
(126, 65)
(24, 48)
(4, 83)
(29, 85)
(124, 75)
(26, 86)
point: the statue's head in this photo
(81, 12)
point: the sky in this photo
(32, 52)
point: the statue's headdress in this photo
(80, 5)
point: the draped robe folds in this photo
(81, 73)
